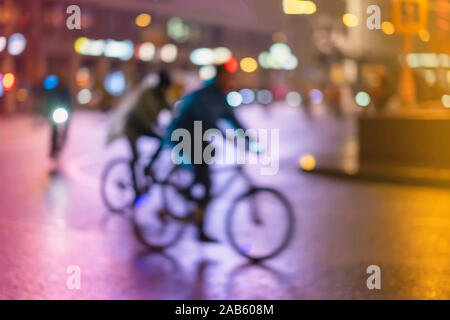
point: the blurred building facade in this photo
(328, 49)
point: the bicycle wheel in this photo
(176, 193)
(116, 186)
(153, 224)
(260, 224)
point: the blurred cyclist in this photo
(207, 105)
(142, 119)
(56, 106)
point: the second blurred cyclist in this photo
(144, 116)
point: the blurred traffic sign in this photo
(410, 16)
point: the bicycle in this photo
(163, 224)
(117, 189)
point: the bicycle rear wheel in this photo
(116, 187)
(260, 224)
(176, 193)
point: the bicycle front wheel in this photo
(260, 224)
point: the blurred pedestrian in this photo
(57, 104)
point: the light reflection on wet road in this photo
(48, 222)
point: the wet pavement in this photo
(49, 222)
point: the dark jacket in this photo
(208, 104)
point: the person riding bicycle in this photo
(55, 94)
(143, 117)
(208, 105)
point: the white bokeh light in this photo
(146, 51)
(293, 99)
(234, 99)
(84, 96)
(16, 44)
(168, 53)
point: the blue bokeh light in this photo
(51, 82)
(1, 85)
(115, 83)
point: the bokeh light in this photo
(279, 56)
(316, 96)
(446, 100)
(2, 43)
(22, 95)
(177, 29)
(263, 59)
(207, 72)
(60, 115)
(307, 162)
(146, 51)
(264, 97)
(168, 53)
(248, 64)
(143, 20)
(84, 96)
(293, 99)
(232, 65)
(82, 77)
(424, 35)
(291, 63)
(80, 45)
(234, 99)
(8, 80)
(299, 7)
(51, 82)
(362, 99)
(1, 85)
(350, 20)
(221, 55)
(388, 27)
(16, 44)
(202, 56)
(248, 96)
(115, 83)
(122, 50)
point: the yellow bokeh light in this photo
(307, 162)
(143, 20)
(81, 44)
(350, 20)
(249, 64)
(424, 35)
(299, 7)
(387, 27)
